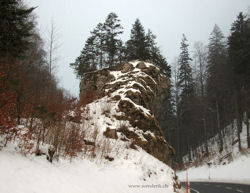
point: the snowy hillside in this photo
(112, 159)
(237, 171)
(227, 166)
(31, 174)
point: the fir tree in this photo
(16, 27)
(185, 106)
(185, 72)
(239, 48)
(218, 81)
(216, 58)
(86, 62)
(137, 45)
(112, 29)
(155, 55)
(102, 49)
(99, 43)
(143, 46)
(240, 63)
(121, 52)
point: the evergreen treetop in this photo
(239, 46)
(185, 72)
(15, 28)
(137, 45)
(112, 29)
(104, 48)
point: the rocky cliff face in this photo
(136, 91)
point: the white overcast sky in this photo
(168, 19)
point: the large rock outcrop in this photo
(137, 89)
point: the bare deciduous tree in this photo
(53, 44)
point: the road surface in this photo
(212, 187)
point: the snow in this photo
(149, 132)
(31, 174)
(121, 78)
(236, 170)
(130, 171)
(144, 110)
(134, 63)
(116, 74)
(147, 64)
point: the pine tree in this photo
(200, 58)
(137, 45)
(93, 54)
(239, 46)
(155, 54)
(185, 72)
(102, 49)
(99, 42)
(185, 106)
(16, 27)
(105, 49)
(216, 59)
(218, 81)
(240, 62)
(16, 31)
(121, 52)
(143, 46)
(87, 61)
(112, 30)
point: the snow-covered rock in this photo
(124, 151)
(132, 92)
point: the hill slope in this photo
(136, 173)
(124, 147)
(228, 166)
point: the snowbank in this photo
(237, 171)
(139, 173)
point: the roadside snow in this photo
(238, 171)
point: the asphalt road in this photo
(211, 187)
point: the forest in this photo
(29, 90)
(212, 92)
(210, 83)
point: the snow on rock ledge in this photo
(132, 91)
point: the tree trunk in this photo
(206, 145)
(101, 65)
(219, 127)
(239, 118)
(247, 108)
(38, 140)
(18, 108)
(178, 134)
(239, 127)
(247, 124)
